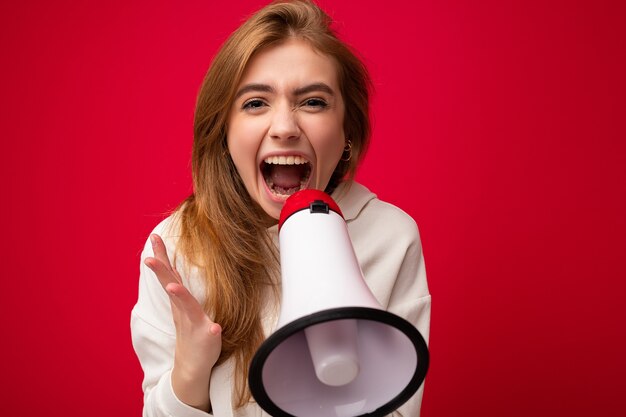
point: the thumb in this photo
(215, 329)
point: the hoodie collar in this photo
(352, 197)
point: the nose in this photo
(284, 123)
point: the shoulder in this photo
(365, 213)
(169, 230)
(389, 216)
(169, 227)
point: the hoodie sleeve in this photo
(411, 300)
(154, 338)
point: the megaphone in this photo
(335, 351)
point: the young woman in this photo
(283, 107)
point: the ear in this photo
(347, 151)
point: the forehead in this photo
(291, 63)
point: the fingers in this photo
(158, 247)
(186, 303)
(163, 272)
(160, 263)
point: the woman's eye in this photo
(315, 102)
(253, 104)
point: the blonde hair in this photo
(224, 232)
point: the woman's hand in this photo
(198, 339)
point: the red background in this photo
(499, 126)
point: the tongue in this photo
(286, 176)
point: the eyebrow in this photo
(313, 88)
(264, 88)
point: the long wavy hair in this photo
(223, 231)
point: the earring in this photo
(348, 150)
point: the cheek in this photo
(334, 150)
(333, 141)
(243, 143)
(329, 148)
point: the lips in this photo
(285, 174)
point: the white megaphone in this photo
(336, 352)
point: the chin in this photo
(272, 209)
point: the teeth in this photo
(285, 160)
(282, 192)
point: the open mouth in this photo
(285, 175)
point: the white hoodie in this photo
(387, 244)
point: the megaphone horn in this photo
(336, 352)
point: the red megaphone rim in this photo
(303, 200)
